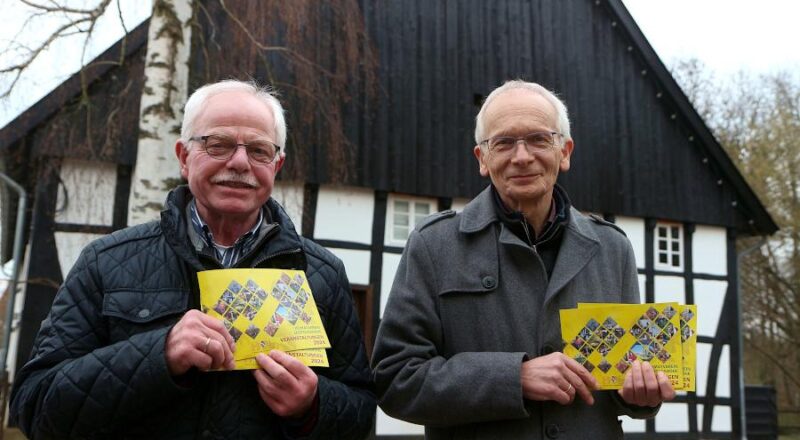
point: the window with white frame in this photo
(669, 246)
(404, 214)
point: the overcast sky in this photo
(727, 35)
(759, 36)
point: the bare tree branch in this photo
(75, 18)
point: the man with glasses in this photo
(470, 344)
(126, 353)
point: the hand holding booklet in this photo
(265, 309)
(607, 338)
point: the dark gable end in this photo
(641, 149)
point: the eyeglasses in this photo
(223, 147)
(537, 141)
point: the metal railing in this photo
(19, 238)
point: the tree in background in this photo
(757, 121)
(316, 53)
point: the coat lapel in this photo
(579, 245)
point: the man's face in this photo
(521, 177)
(236, 187)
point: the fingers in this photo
(665, 385)
(273, 369)
(556, 377)
(199, 341)
(643, 387)
(216, 325)
(286, 385)
(221, 356)
(292, 365)
(583, 381)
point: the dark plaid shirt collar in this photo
(227, 256)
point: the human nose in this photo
(523, 154)
(239, 158)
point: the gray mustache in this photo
(247, 179)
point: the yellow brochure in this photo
(689, 343)
(688, 330)
(607, 338)
(264, 309)
(312, 357)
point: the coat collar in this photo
(175, 228)
(479, 213)
(579, 244)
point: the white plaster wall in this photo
(634, 229)
(673, 417)
(720, 421)
(390, 263)
(710, 250)
(723, 385)
(632, 425)
(709, 295)
(642, 295)
(385, 425)
(87, 196)
(669, 289)
(70, 245)
(356, 263)
(703, 356)
(345, 214)
(290, 196)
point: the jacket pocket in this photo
(134, 311)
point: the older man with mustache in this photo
(125, 351)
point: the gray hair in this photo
(562, 120)
(200, 96)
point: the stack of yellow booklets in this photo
(607, 338)
(265, 309)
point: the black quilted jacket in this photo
(98, 368)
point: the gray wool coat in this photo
(471, 302)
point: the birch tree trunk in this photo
(161, 111)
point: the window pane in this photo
(422, 209)
(662, 245)
(674, 232)
(662, 231)
(400, 206)
(400, 219)
(676, 260)
(662, 258)
(400, 233)
(676, 246)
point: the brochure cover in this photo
(265, 309)
(607, 338)
(689, 343)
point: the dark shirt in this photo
(548, 242)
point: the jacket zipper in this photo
(533, 246)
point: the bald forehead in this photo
(522, 99)
(519, 109)
(235, 108)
